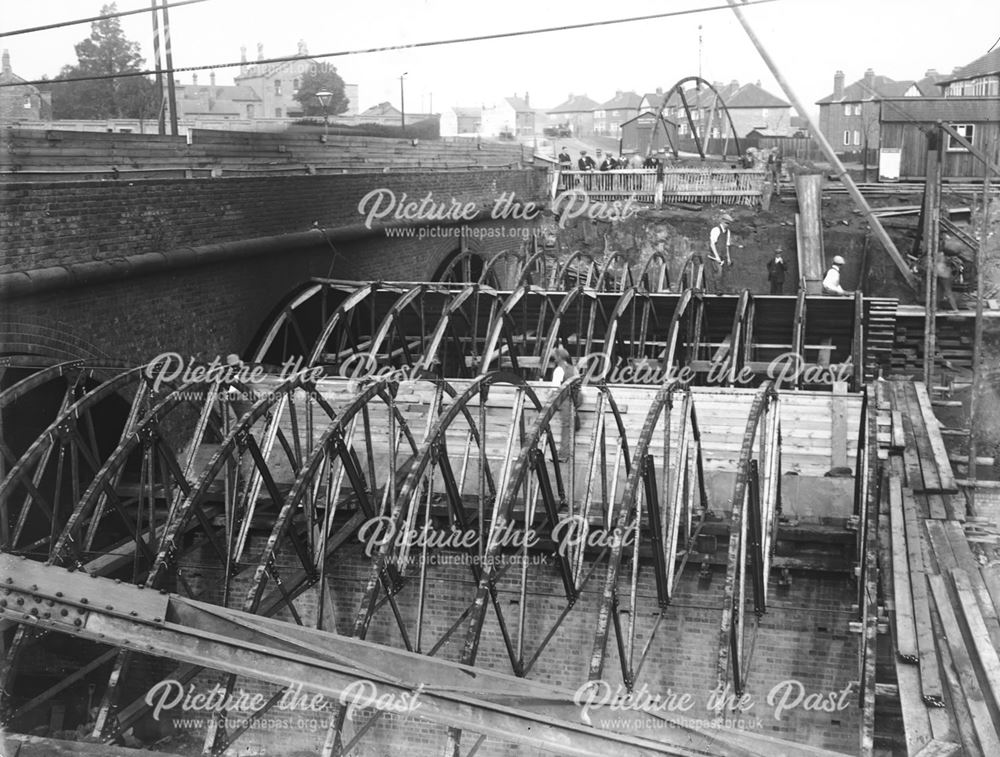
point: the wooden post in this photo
(827, 148)
(977, 340)
(932, 238)
(809, 231)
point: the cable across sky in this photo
(389, 48)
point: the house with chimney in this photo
(849, 117)
(981, 78)
(578, 112)
(609, 116)
(21, 102)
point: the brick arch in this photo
(36, 338)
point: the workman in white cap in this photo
(831, 282)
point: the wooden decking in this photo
(941, 600)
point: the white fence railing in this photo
(729, 186)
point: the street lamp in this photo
(325, 98)
(402, 103)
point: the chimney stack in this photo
(243, 59)
(527, 100)
(260, 51)
(211, 78)
(6, 62)
(194, 79)
(838, 85)
(869, 80)
(931, 72)
(659, 90)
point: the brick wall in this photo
(55, 224)
(215, 309)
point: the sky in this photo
(809, 41)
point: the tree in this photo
(321, 77)
(106, 51)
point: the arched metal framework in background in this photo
(449, 432)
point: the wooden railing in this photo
(729, 186)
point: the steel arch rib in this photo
(508, 493)
(764, 400)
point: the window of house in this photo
(847, 110)
(857, 109)
(295, 85)
(277, 112)
(614, 113)
(847, 137)
(763, 112)
(682, 129)
(249, 111)
(857, 137)
(967, 131)
(715, 132)
(27, 101)
(277, 86)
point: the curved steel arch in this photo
(510, 259)
(658, 281)
(658, 507)
(756, 502)
(505, 327)
(531, 460)
(679, 89)
(63, 438)
(570, 268)
(607, 281)
(460, 268)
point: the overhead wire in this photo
(391, 48)
(102, 17)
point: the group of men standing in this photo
(607, 163)
(720, 242)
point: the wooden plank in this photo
(954, 505)
(838, 426)
(943, 552)
(935, 507)
(916, 723)
(928, 464)
(914, 477)
(945, 473)
(974, 699)
(930, 678)
(985, 656)
(906, 635)
(898, 439)
(937, 748)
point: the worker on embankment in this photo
(831, 282)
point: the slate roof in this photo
(754, 96)
(577, 104)
(623, 101)
(519, 105)
(382, 109)
(982, 66)
(882, 87)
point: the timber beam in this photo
(453, 695)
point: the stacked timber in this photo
(34, 154)
(954, 343)
(944, 607)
